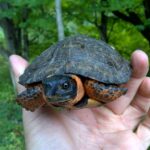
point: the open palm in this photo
(120, 125)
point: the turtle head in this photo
(59, 88)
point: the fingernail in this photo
(140, 63)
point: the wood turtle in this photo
(77, 72)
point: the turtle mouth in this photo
(57, 99)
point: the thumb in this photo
(18, 65)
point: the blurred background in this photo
(28, 27)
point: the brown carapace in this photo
(98, 70)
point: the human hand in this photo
(120, 125)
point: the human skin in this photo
(120, 125)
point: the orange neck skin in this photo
(80, 90)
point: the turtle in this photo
(77, 72)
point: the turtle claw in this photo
(31, 99)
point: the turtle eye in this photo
(65, 85)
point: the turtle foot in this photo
(103, 93)
(31, 99)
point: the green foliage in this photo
(6, 85)
(10, 114)
(41, 23)
(124, 4)
(124, 38)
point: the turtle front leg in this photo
(31, 98)
(103, 93)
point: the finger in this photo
(139, 62)
(18, 65)
(140, 105)
(142, 99)
(143, 131)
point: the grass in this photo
(11, 133)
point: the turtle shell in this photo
(80, 55)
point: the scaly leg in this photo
(103, 93)
(31, 98)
